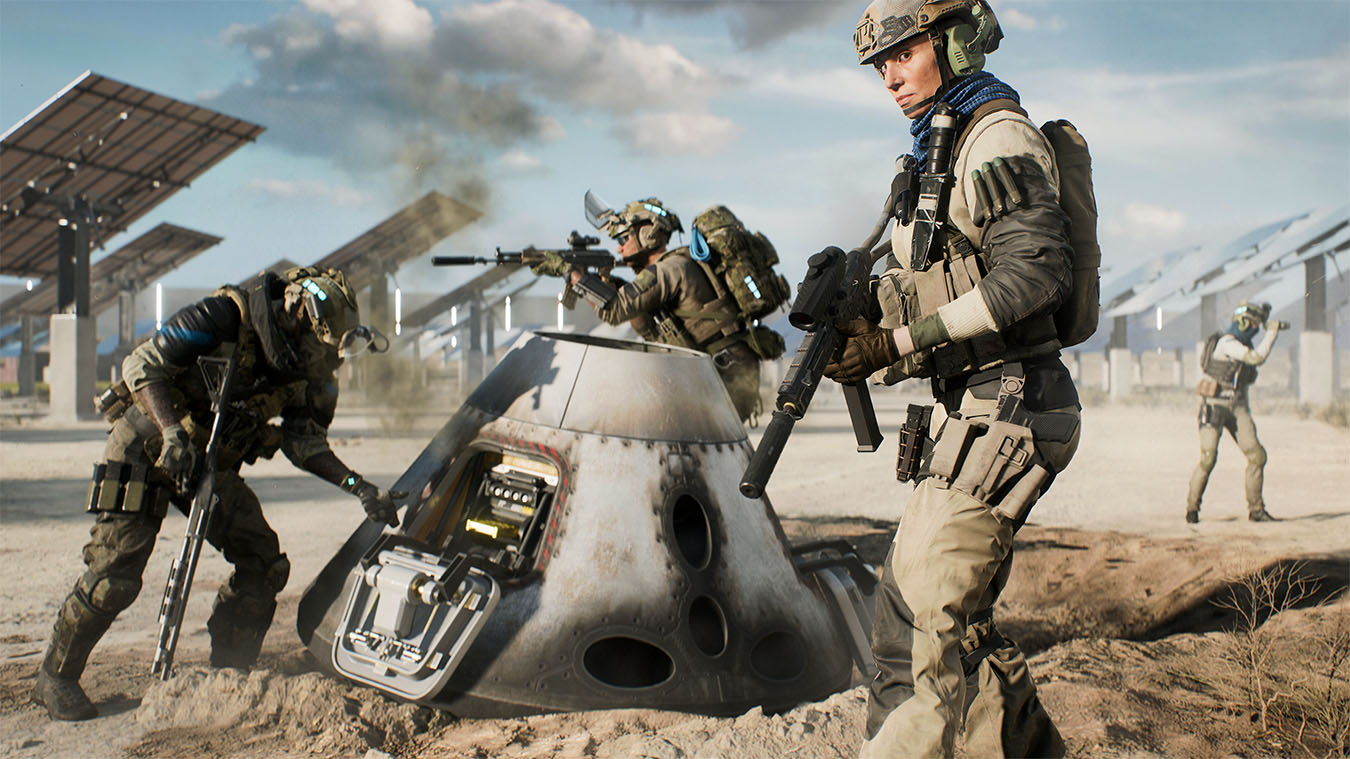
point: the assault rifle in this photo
(836, 289)
(579, 255)
(179, 584)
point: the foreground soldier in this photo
(1229, 362)
(976, 316)
(677, 301)
(288, 335)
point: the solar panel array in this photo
(407, 234)
(119, 145)
(133, 267)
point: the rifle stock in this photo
(179, 585)
(836, 289)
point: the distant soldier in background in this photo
(1229, 362)
(288, 336)
(708, 296)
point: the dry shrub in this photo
(1290, 674)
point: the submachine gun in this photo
(179, 584)
(579, 255)
(837, 288)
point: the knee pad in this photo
(251, 581)
(1207, 459)
(1257, 456)
(109, 595)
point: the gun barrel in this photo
(460, 260)
(765, 457)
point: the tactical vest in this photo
(1231, 374)
(963, 266)
(258, 396)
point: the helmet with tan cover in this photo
(962, 30)
(649, 219)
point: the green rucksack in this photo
(739, 262)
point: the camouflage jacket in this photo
(676, 288)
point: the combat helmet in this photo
(963, 31)
(649, 219)
(329, 304)
(1249, 317)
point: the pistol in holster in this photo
(913, 435)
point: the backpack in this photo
(739, 262)
(1076, 319)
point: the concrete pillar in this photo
(1178, 369)
(28, 372)
(1120, 363)
(71, 373)
(1316, 371)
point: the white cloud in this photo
(341, 196)
(393, 23)
(854, 86)
(1142, 221)
(674, 132)
(1012, 18)
(517, 160)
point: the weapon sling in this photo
(179, 584)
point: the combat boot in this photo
(237, 627)
(1261, 515)
(64, 698)
(78, 628)
(1193, 516)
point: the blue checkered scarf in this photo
(964, 96)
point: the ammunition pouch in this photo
(118, 488)
(671, 332)
(114, 402)
(1207, 387)
(991, 463)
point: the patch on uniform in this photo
(645, 280)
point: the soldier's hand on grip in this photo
(867, 348)
(177, 457)
(552, 264)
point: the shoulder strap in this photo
(993, 106)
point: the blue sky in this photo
(1205, 118)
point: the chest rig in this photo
(944, 264)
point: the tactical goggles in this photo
(361, 338)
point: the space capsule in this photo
(575, 539)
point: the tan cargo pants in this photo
(940, 657)
(1235, 417)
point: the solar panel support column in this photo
(1316, 346)
(489, 340)
(28, 369)
(471, 372)
(72, 271)
(1119, 360)
(1209, 315)
(378, 298)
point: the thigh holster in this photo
(993, 463)
(119, 488)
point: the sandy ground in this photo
(1112, 598)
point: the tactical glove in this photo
(867, 349)
(552, 264)
(177, 457)
(379, 504)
